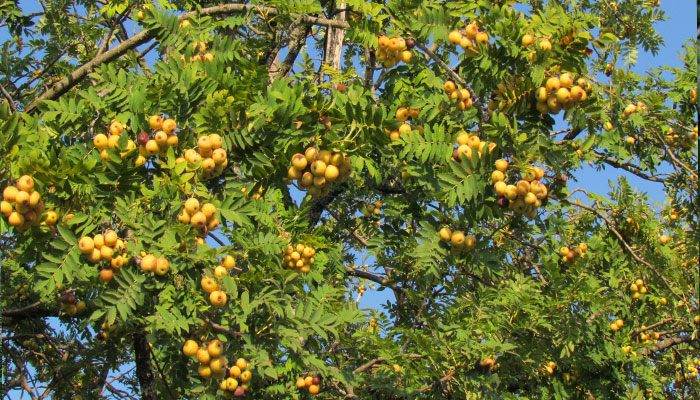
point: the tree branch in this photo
(665, 344)
(628, 167)
(65, 84)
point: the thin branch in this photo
(638, 331)
(627, 167)
(221, 329)
(9, 98)
(374, 278)
(665, 344)
(364, 367)
(626, 245)
(65, 84)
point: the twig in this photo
(221, 329)
(364, 367)
(627, 246)
(65, 84)
(9, 98)
(638, 331)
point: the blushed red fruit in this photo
(142, 138)
(316, 380)
(70, 299)
(410, 43)
(239, 392)
(341, 87)
(503, 202)
(101, 336)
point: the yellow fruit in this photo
(217, 364)
(235, 371)
(86, 245)
(527, 40)
(190, 348)
(497, 176)
(458, 239)
(192, 206)
(229, 262)
(100, 141)
(204, 371)
(301, 383)
(242, 364)
(169, 126)
(208, 284)
(208, 209)
(162, 266)
(15, 219)
(246, 376)
(155, 122)
(217, 298)
(215, 348)
(454, 37)
(148, 263)
(10, 194)
(501, 165)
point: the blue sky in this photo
(680, 26)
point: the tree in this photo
(197, 195)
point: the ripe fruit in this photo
(208, 284)
(148, 263)
(86, 245)
(313, 389)
(25, 183)
(527, 40)
(190, 348)
(215, 348)
(445, 233)
(106, 274)
(217, 298)
(242, 364)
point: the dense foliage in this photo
(328, 162)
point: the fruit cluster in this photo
(469, 39)
(458, 241)
(549, 367)
(217, 297)
(102, 142)
(393, 50)
(686, 142)
(648, 337)
(523, 197)
(462, 96)
(560, 93)
(467, 144)
(28, 206)
(105, 246)
(299, 258)
(570, 254)
(238, 380)
(617, 324)
(151, 263)
(157, 142)
(694, 95)
(505, 96)
(310, 383)
(638, 289)
(628, 350)
(106, 331)
(403, 114)
(315, 171)
(632, 108)
(371, 209)
(199, 48)
(70, 305)
(256, 195)
(212, 156)
(203, 218)
(224, 266)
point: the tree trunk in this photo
(334, 40)
(144, 369)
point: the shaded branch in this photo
(665, 344)
(65, 84)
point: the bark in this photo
(334, 40)
(665, 344)
(144, 368)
